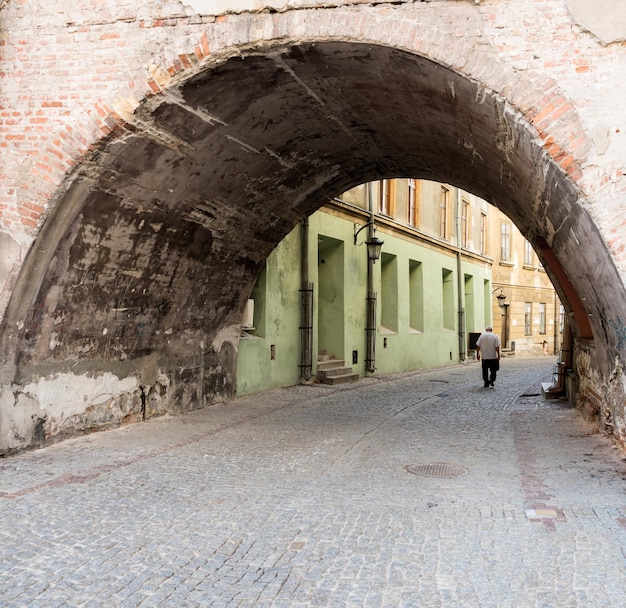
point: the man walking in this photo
(489, 345)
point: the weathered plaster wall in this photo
(605, 19)
(154, 153)
(64, 404)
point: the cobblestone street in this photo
(319, 496)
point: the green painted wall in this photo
(277, 319)
(427, 285)
(351, 327)
(417, 292)
(331, 294)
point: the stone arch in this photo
(422, 30)
(139, 274)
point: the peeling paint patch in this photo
(69, 395)
(226, 334)
(55, 407)
(216, 7)
(606, 19)
(19, 417)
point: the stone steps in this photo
(331, 370)
(547, 393)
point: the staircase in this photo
(556, 388)
(331, 370)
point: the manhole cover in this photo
(436, 469)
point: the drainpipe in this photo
(556, 325)
(370, 320)
(306, 309)
(459, 278)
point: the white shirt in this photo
(487, 343)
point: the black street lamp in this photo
(501, 297)
(373, 243)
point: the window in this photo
(385, 197)
(505, 242)
(528, 319)
(413, 203)
(444, 207)
(561, 318)
(528, 253)
(483, 233)
(464, 224)
(542, 318)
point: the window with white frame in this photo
(385, 197)
(465, 222)
(413, 202)
(542, 318)
(483, 233)
(444, 211)
(505, 241)
(528, 253)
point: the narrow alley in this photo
(421, 489)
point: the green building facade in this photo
(431, 283)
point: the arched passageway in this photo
(135, 287)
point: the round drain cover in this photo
(436, 469)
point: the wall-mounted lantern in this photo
(500, 297)
(373, 243)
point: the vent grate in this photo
(437, 469)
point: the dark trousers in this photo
(490, 367)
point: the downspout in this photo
(306, 309)
(556, 325)
(370, 320)
(459, 278)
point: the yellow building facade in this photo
(527, 313)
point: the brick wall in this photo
(63, 65)
(69, 68)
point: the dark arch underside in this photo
(146, 261)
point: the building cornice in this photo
(387, 225)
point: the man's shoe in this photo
(492, 385)
(486, 384)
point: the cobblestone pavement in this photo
(315, 496)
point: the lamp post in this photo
(504, 322)
(374, 245)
